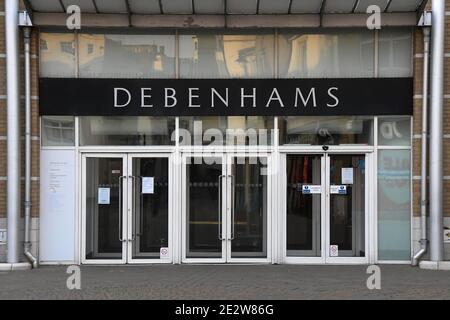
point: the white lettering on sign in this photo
(312, 94)
(215, 93)
(116, 97)
(145, 94)
(171, 96)
(335, 98)
(248, 97)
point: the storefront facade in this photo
(205, 144)
(278, 149)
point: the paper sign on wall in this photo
(311, 189)
(347, 175)
(338, 189)
(148, 185)
(104, 195)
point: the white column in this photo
(436, 130)
(13, 125)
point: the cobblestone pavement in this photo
(230, 282)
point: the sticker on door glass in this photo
(347, 175)
(164, 253)
(338, 189)
(311, 189)
(104, 195)
(334, 251)
(148, 185)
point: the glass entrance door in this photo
(148, 214)
(126, 208)
(104, 206)
(326, 208)
(346, 208)
(225, 209)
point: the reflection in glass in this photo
(303, 221)
(395, 56)
(335, 54)
(58, 131)
(151, 218)
(326, 130)
(245, 130)
(126, 56)
(57, 55)
(226, 56)
(249, 219)
(202, 216)
(103, 220)
(347, 209)
(126, 131)
(394, 131)
(394, 204)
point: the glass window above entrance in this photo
(326, 130)
(57, 55)
(394, 131)
(335, 54)
(126, 56)
(250, 131)
(122, 131)
(395, 47)
(212, 55)
(58, 131)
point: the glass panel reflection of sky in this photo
(226, 56)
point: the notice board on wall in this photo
(57, 206)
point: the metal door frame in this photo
(225, 183)
(127, 210)
(370, 227)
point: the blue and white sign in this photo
(311, 189)
(338, 189)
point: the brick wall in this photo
(35, 116)
(35, 133)
(417, 125)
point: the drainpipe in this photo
(436, 131)
(27, 202)
(13, 127)
(423, 181)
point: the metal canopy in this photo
(222, 7)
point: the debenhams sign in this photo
(230, 97)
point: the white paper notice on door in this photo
(104, 195)
(148, 185)
(347, 175)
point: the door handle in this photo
(133, 206)
(219, 211)
(121, 208)
(141, 210)
(233, 192)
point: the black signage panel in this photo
(226, 97)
